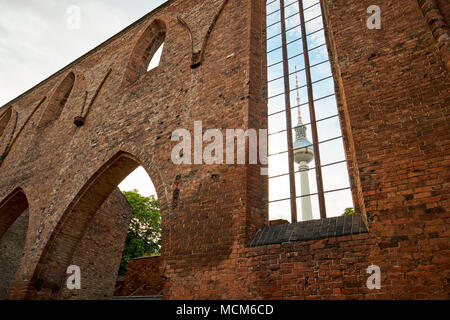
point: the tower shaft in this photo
(305, 191)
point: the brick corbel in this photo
(198, 55)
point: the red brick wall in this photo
(394, 105)
(144, 278)
(100, 251)
(11, 248)
(394, 97)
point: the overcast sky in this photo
(39, 37)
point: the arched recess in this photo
(50, 274)
(13, 231)
(8, 123)
(58, 101)
(145, 48)
(4, 120)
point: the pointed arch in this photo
(50, 272)
(11, 208)
(14, 218)
(58, 100)
(4, 120)
(145, 48)
(8, 126)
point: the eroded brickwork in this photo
(394, 104)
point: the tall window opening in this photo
(308, 175)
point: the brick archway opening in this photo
(80, 239)
(13, 231)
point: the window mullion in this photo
(312, 113)
(290, 143)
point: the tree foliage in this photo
(349, 212)
(144, 231)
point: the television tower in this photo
(303, 155)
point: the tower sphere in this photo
(303, 151)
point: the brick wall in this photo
(143, 278)
(100, 251)
(394, 104)
(11, 248)
(394, 99)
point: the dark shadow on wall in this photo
(14, 216)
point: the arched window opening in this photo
(4, 120)
(156, 59)
(103, 229)
(147, 52)
(58, 101)
(13, 231)
(308, 174)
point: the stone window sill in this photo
(310, 230)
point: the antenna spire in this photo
(298, 96)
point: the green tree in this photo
(349, 212)
(144, 231)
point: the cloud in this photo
(35, 40)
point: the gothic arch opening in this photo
(13, 231)
(146, 53)
(91, 235)
(58, 101)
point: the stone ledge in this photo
(310, 230)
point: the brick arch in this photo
(49, 275)
(8, 124)
(143, 51)
(14, 218)
(58, 100)
(4, 120)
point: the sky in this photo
(37, 38)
